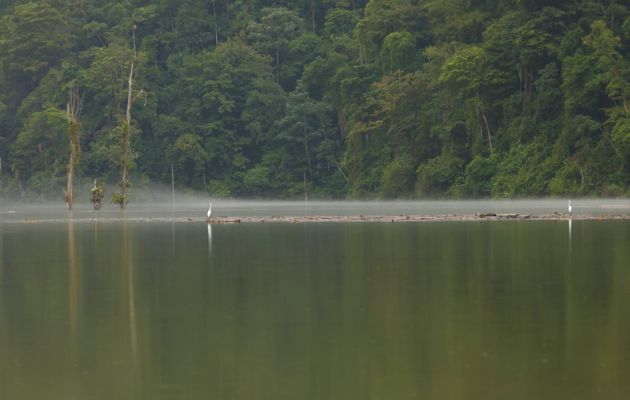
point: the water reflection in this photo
(1, 251)
(128, 267)
(74, 286)
(3, 323)
(334, 311)
(209, 237)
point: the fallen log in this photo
(224, 220)
(507, 216)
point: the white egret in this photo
(569, 207)
(210, 210)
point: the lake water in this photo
(432, 310)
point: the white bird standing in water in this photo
(569, 207)
(210, 210)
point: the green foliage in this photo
(478, 176)
(569, 180)
(455, 20)
(274, 33)
(389, 98)
(437, 174)
(306, 143)
(525, 170)
(399, 52)
(188, 155)
(120, 199)
(41, 147)
(34, 37)
(398, 177)
(339, 22)
(621, 139)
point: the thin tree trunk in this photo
(485, 120)
(612, 144)
(345, 177)
(342, 123)
(487, 131)
(22, 190)
(69, 184)
(173, 184)
(277, 65)
(129, 93)
(216, 29)
(308, 154)
(73, 110)
(313, 14)
(171, 18)
(124, 183)
(126, 139)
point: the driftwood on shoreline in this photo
(343, 218)
(413, 218)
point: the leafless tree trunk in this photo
(126, 142)
(126, 133)
(73, 110)
(487, 131)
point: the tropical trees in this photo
(389, 98)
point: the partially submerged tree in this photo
(122, 198)
(73, 111)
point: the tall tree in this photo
(273, 34)
(611, 63)
(126, 130)
(73, 111)
(467, 72)
(33, 38)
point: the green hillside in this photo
(352, 98)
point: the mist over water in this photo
(160, 205)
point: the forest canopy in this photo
(350, 98)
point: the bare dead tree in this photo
(123, 198)
(73, 111)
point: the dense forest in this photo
(341, 98)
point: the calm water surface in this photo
(477, 310)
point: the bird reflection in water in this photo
(209, 237)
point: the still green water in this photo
(482, 310)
